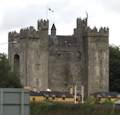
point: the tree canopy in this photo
(114, 68)
(8, 78)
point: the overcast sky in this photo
(16, 14)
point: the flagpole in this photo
(47, 13)
(86, 14)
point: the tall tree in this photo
(7, 77)
(114, 68)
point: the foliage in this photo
(108, 102)
(114, 68)
(47, 108)
(90, 101)
(7, 77)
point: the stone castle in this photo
(59, 62)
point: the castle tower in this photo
(81, 26)
(98, 60)
(53, 30)
(79, 32)
(30, 55)
(94, 63)
(42, 24)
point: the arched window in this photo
(17, 63)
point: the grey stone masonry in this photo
(60, 62)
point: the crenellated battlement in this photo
(28, 29)
(43, 24)
(29, 32)
(81, 22)
(13, 34)
(103, 31)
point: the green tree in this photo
(8, 78)
(114, 68)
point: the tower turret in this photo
(43, 24)
(81, 23)
(81, 26)
(53, 30)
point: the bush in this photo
(47, 108)
(108, 102)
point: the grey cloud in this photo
(14, 18)
(111, 5)
(19, 17)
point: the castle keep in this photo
(59, 62)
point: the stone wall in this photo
(61, 62)
(98, 61)
(64, 69)
(32, 48)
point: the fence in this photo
(14, 101)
